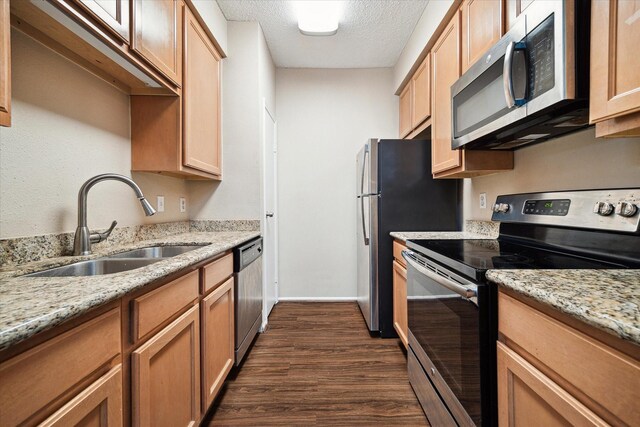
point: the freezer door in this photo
(367, 295)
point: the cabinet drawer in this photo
(601, 373)
(152, 309)
(216, 272)
(34, 380)
(397, 252)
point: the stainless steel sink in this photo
(156, 252)
(96, 267)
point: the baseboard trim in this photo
(317, 299)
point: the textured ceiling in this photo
(372, 33)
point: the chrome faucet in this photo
(83, 238)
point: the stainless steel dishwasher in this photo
(247, 267)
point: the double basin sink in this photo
(117, 263)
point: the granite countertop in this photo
(437, 235)
(606, 299)
(29, 305)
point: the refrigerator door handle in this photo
(364, 226)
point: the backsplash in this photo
(22, 250)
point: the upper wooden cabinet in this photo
(202, 148)
(481, 28)
(446, 69)
(513, 9)
(615, 68)
(421, 93)
(405, 110)
(5, 64)
(157, 35)
(415, 99)
(113, 14)
(180, 136)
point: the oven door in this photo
(444, 333)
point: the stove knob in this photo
(603, 208)
(626, 209)
(503, 207)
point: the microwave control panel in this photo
(540, 46)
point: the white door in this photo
(270, 218)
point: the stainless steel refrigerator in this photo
(395, 192)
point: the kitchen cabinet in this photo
(415, 100)
(481, 28)
(217, 340)
(180, 136)
(99, 405)
(157, 35)
(400, 323)
(615, 80)
(446, 67)
(114, 15)
(541, 371)
(405, 125)
(513, 9)
(166, 375)
(5, 64)
(37, 382)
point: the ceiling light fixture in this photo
(318, 17)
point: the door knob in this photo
(269, 214)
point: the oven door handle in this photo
(466, 292)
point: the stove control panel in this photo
(612, 210)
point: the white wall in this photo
(324, 118)
(67, 126)
(574, 162)
(248, 76)
(215, 20)
(433, 14)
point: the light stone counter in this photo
(606, 299)
(29, 305)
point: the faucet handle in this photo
(99, 237)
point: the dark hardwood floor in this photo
(317, 365)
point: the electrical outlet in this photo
(483, 200)
(160, 204)
(183, 204)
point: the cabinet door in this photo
(217, 340)
(98, 405)
(481, 28)
(114, 15)
(157, 35)
(421, 96)
(513, 9)
(526, 397)
(405, 110)
(400, 302)
(202, 149)
(5, 64)
(445, 56)
(615, 63)
(166, 375)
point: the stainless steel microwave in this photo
(531, 86)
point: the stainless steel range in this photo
(452, 308)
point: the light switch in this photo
(160, 204)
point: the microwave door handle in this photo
(463, 291)
(507, 75)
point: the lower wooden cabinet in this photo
(166, 375)
(99, 405)
(527, 397)
(551, 373)
(217, 340)
(400, 302)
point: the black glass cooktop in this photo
(473, 257)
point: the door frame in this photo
(267, 115)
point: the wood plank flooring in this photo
(317, 365)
